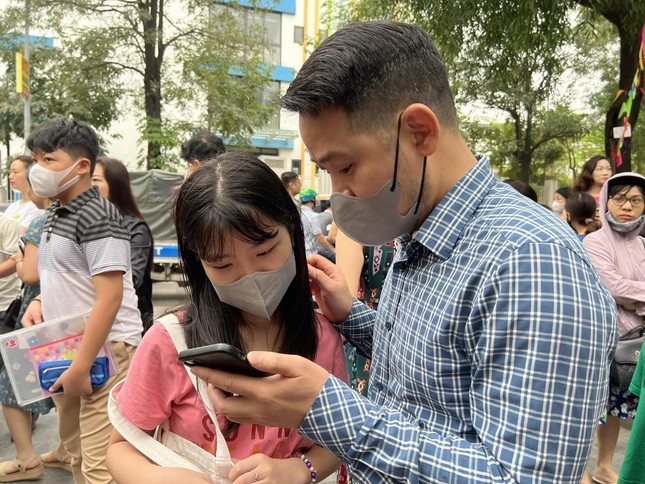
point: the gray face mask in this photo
(376, 220)
(373, 220)
(259, 293)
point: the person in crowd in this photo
(523, 188)
(580, 210)
(325, 219)
(242, 245)
(364, 268)
(559, 200)
(23, 210)
(113, 181)
(632, 471)
(27, 465)
(9, 281)
(475, 351)
(315, 241)
(617, 252)
(84, 266)
(292, 183)
(593, 175)
(201, 147)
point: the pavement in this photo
(165, 296)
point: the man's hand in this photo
(329, 287)
(75, 383)
(280, 400)
(33, 314)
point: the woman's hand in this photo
(260, 467)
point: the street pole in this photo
(27, 100)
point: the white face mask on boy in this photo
(44, 182)
(259, 293)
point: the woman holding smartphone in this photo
(242, 247)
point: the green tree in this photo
(506, 55)
(159, 47)
(511, 55)
(57, 86)
(628, 18)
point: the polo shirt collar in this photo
(441, 230)
(78, 202)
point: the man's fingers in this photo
(289, 366)
(321, 266)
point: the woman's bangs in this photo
(244, 223)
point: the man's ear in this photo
(84, 166)
(423, 125)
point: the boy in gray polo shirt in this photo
(84, 265)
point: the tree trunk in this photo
(629, 48)
(153, 54)
(526, 155)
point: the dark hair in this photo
(118, 180)
(623, 187)
(240, 195)
(581, 208)
(75, 138)
(288, 177)
(564, 192)
(202, 146)
(26, 160)
(585, 179)
(524, 188)
(373, 70)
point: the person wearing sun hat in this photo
(315, 241)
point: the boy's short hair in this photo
(75, 138)
(202, 147)
(288, 177)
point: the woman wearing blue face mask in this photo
(242, 246)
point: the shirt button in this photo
(422, 425)
(378, 386)
(388, 326)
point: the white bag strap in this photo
(176, 332)
(174, 450)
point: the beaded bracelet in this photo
(309, 465)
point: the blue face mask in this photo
(375, 220)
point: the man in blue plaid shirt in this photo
(493, 337)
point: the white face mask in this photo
(44, 182)
(259, 293)
(557, 207)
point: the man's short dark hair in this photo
(75, 138)
(288, 177)
(373, 70)
(202, 147)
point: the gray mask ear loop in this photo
(396, 166)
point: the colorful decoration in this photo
(626, 108)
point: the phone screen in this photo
(220, 356)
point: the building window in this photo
(271, 22)
(298, 34)
(269, 95)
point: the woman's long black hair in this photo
(240, 195)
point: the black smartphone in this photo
(220, 356)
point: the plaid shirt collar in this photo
(443, 227)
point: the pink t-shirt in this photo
(158, 388)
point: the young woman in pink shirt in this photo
(242, 246)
